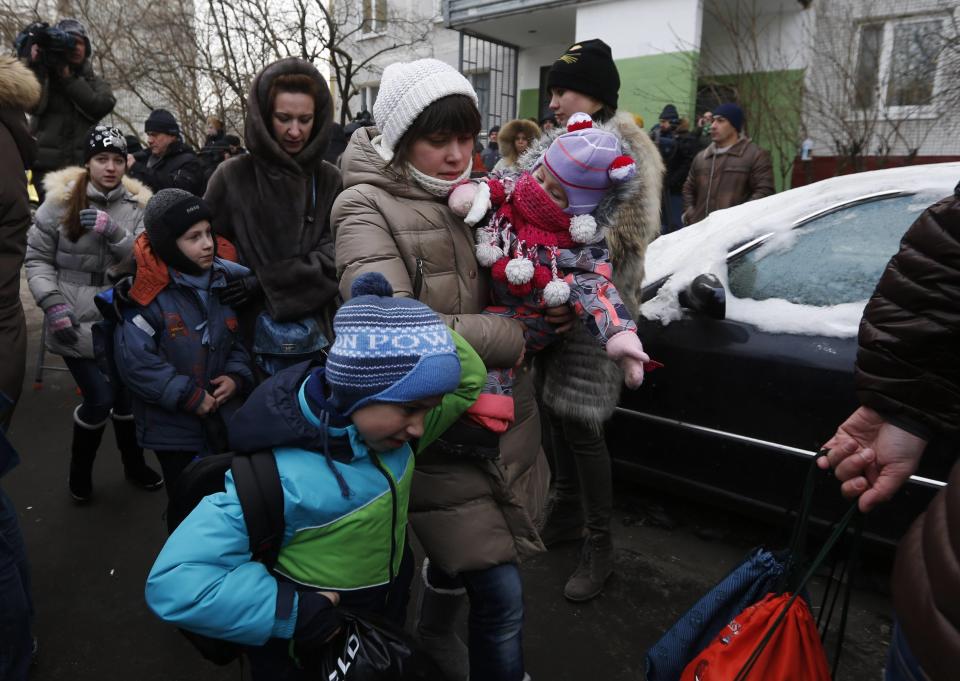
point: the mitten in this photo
(317, 621)
(240, 291)
(100, 222)
(626, 349)
(62, 323)
(470, 200)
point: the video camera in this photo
(54, 43)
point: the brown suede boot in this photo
(563, 521)
(595, 568)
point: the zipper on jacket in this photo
(393, 506)
(713, 163)
(418, 279)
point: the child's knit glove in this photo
(626, 349)
(62, 323)
(471, 201)
(100, 222)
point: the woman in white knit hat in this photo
(475, 517)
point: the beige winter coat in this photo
(64, 271)
(468, 515)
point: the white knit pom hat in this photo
(406, 89)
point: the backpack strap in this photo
(258, 486)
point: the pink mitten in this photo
(626, 349)
(461, 198)
(471, 201)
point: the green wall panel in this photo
(648, 83)
(529, 103)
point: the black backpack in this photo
(257, 480)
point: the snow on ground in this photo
(703, 247)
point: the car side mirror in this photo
(706, 295)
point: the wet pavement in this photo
(89, 563)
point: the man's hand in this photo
(561, 317)
(130, 161)
(64, 71)
(871, 457)
(226, 388)
(208, 405)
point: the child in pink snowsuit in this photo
(544, 249)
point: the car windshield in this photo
(831, 260)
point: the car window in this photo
(835, 259)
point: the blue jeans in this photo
(495, 622)
(16, 607)
(901, 664)
(99, 395)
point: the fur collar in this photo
(19, 88)
(60, 183)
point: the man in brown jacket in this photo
(731, 171)
(908, 380)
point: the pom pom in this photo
(579, 121)
(622, 169)
(583, 228)
(519, 271)
(557, 292)
(488, 254)
(371, 284)
(541, 276)
(499, 269)
(520, 290)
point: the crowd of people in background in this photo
(320, 294)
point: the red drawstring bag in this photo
(748, 649)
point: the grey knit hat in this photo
(170, 213)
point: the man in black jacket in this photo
(74, 99)
(168, 163)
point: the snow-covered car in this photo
(754, 314)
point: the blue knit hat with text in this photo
(388, 349)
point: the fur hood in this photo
(59, 184)
(630, 212)
(257, 128)
(19, 88)
(509, 132)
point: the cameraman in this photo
(73, 98)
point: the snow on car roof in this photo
(703, 248)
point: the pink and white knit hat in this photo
(587, 161)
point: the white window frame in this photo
(377, 28)
(367, 97)
(918, 111)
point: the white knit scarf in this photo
(435, 186)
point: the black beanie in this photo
(587, 67)
(170, 213)
(101, 138)
(161, 120)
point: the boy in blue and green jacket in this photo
(394, 376)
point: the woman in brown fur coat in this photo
(580, 384)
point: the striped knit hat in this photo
(388, 349)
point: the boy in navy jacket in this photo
(177, 349)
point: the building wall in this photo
(828, 106)
(655, 44)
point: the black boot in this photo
(83, 450)
(135, 469)
(595, 568)
(563, 520)
(437, 613)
